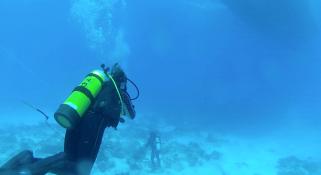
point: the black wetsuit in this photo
(81, 143)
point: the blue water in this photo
(245, 68)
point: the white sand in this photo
(184, 152)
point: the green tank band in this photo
(98, 77)
(92, 84)
(85, 91)
(79, 102)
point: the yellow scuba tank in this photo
(75, 106)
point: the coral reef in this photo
(183, 151)
(294, 166)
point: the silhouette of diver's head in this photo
(119, 76)
(153, 134)
(121, 80)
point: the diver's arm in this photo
(107, 105)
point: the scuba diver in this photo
(98, 102)
(154, 142)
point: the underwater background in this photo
(233, 87)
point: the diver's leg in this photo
(89, 148)
(21, 159)
(158, 159)
(44, 165)
(83, 142)
(11, 172)
(64, 167)
(152, 158)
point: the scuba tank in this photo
(158, 143)
(75, 106)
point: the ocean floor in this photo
(183, 151)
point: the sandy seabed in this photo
(183, 151)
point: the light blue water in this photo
(250, 69)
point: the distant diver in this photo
(154, 142)
(93, 105)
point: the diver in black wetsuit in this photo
(82, 143)
(154, 142)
